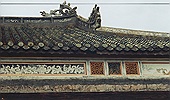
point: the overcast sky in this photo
(149, 15)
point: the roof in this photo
(70, 34)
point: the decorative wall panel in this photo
(97, 68)
(114, 68)
(40, 68)
(156, 68)
(132, 68)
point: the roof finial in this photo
(95, 17)
(64, 10)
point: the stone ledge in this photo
(84, 88)
(83, 85)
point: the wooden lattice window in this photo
(114, 68)
(132, 68)
(97, 68)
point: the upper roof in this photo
(66, 33)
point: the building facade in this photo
(64, 52)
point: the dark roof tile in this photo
(71, 37)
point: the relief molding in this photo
(35, 68)
(164, 71)
(84, 88)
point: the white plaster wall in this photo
(151, 15)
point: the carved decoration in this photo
(114, 68)
(97, 68)
(64, 10)
(82, 88)
(156, 68)
(164, 71)
(42, 68)
(131, 67)
(95, 18)
(94, 21)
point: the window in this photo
(97, 68)
(114, 68)
(131, 67)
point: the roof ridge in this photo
(135, 32)
(64, 14)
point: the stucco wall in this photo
(150, 77)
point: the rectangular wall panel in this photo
(156, 68)
(42, 69)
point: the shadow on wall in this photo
(150, 95)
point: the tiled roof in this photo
(76, 35)
(72, 38)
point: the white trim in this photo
(88, 68)
(123, 69)
(106, 70)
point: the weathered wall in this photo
(98, 68)
(37, 76)
(83, 85)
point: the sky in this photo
(149, 15)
